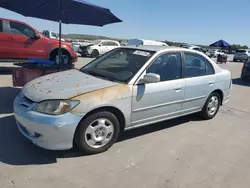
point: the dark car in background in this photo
(245, 73)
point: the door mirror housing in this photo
(36, 36)
(150, 78)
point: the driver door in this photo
(104, 47)
(154, 102)
(24, 41)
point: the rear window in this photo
(241, 51)
(1, 27)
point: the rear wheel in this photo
(95, 54)
(98, 132)
(244, 78)
(211, 106)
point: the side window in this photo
(168, 66)
(196, 65)
(209, 68)
(104, 44)
(53, 35)
(21, 29)
(113, 44)
(1, 26)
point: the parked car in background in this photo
(241, 55)
(245, 72)
(216, 52)
(145, 42)
(127, 88)
(19, 41)
(193, 47)
(51, 35)
(99, 47)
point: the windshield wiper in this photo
(93, 73)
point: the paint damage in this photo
(102, 97)
(63, 85)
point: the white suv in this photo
(241, 55)
(216, 52)
(100, 47)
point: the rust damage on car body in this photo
(101, 96)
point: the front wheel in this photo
(95, 54)
(211, 106)
(98, 132)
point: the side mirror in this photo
(150, 78)
(36, 36)
(100, 45)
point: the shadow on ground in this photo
(17, 150)
(7, 97)
(239, 81)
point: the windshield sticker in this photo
(142, 53)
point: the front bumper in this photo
(47, 131)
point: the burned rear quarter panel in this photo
(119, 97)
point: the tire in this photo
(244, 78)
(95, 54)
(206, 112)
(54, 54)
(234, 60)
(98, 132)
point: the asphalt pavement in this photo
(184, 153)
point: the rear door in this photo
(200, 78)
(112, 45)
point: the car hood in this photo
(63, 85)
(56, 41)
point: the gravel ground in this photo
(183, 153)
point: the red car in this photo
(19, 41)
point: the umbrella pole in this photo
(60, 42)
(60, 32)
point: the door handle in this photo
(179, 87)
(11, 38)
(211, 83)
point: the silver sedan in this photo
(126, 88)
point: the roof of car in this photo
(152, 47)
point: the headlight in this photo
(56, 107)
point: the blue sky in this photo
(191, 21)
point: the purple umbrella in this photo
(62, 11)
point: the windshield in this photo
(119, 65)
(53, 35)
(240, 51)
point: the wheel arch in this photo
(220, 92)
(118, 113)
(55, 50)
